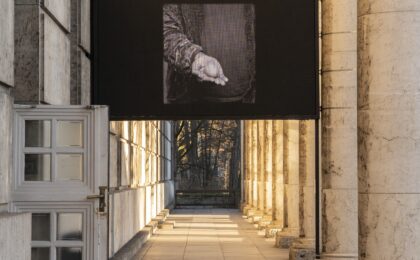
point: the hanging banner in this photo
(156, 59)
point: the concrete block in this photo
(15, 239)
(167, 225)
(302, 254)
(6, 42)
(302, 249)
(271, 230)
(153, 224)
(130, 249)
(285, 239)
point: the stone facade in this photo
(369, 199)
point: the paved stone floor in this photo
(205, 234)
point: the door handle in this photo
(101, 197)
(91, 197)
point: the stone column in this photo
(260, 169)
(389, 129)
(268, 151)
(261, 165)
(247, 163)
(304, 247)
(339, 133)
(291, 180)
(254, 135)
(268, 178)
(277, 223)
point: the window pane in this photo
(37, 167)
(40, 226)
(40, 253)
(37, 133)
(69, 253)
(69, 133)
(69, 167)
(69, 226)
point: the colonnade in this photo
(279, 182)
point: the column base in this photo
(272, 229)
(302, 249)
(339, 256)
(254, 215)
(285, 238)
(257, 217)
(265, 221)
(245, 208)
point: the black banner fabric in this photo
(157, 59)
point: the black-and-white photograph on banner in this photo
(206, 59)
(210, 53)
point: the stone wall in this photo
(52, 50)
(141, 183)
(15, 239)
(6, 101)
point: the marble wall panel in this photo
(6, 42)
(85, 80)
(56, 70)
(14, 240)
(60, 9)
(6, 103)
(27, 49)
(85, 33)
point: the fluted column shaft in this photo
(389, 129)
(339, 131)
(254, 164)
(278, 179)
(291, 175)
(307, 178)
(261, 164)
(247, 163)
(268, 152)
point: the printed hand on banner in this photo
(207, 68)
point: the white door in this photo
(61, 176)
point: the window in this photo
(57, 235)
(52, 151)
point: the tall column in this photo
(268, 151)
(291, 180)
(268, 177)
(304, 247)
(277, 223)
(254, 164)
(245, 173)
(261, 165)
(248, 166)
(339, 133)
(389, 129)
(278, 180)
(307, 178)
